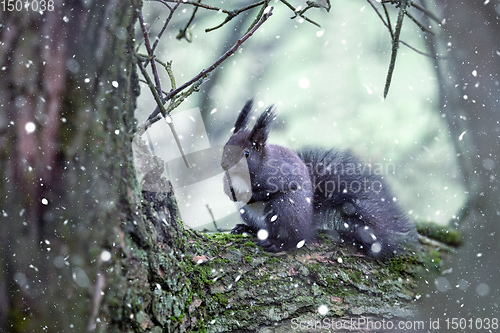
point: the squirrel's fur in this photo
(286, 197)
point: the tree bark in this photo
(470, 100)
(68, 189)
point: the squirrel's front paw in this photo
(241, 228)
(271, 245)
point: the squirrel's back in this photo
(353, 201)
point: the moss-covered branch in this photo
(223, 282)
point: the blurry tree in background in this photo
(469, 79)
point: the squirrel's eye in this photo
(246, 153)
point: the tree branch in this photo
(163, 111)
(151, 55)
(209, 69)
(395, 44)
(236, 12)
(182, 32)
(420, 25)
(172, 10)
(298, 13)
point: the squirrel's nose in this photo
(230, 156)
(226, 161)
(225, 166)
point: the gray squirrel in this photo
(285, 198)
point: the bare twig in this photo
(395, 44)
(163, 111)
(202, 5)
(420, 25)
(389, 27)
(151, 54)
(170, 73)
(170, 123)
(286, 3)
(435, 56)
(213, 218)
(259, 15)
(182, 32)
(172, 10)
(209, 69)
(163, 2)
(152, 87)
(426, 12)
(235, 13)
(389, 24)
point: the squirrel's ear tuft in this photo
(244, 116)
(261, 129)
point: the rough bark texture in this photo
(67, 188)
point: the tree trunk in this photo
(68, 189)
(470, 100)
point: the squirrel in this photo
(285, 198)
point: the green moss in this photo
(402, 265)
(220, 299)
(444, 234)
(248, 259)
(355, 276)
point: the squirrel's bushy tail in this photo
(353, 200)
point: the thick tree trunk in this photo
(470, 97)
(67, 94)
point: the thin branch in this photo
(182, 32)
(152, 87)
(286, 3)
(426, 12)
(170, 123)
(389, 24)
(163, 111)
(259, 15)
(235, 13)
(150, 53)
(163, 2)
(389, 27)
(311, 4)
(146, 82)
(172, 10)
(395, 44)
(420, 25)
(435, 56)
(209, 69)
(202, 5)
(170, 73)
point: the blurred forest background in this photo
(327, 83)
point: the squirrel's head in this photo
(246, 143)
